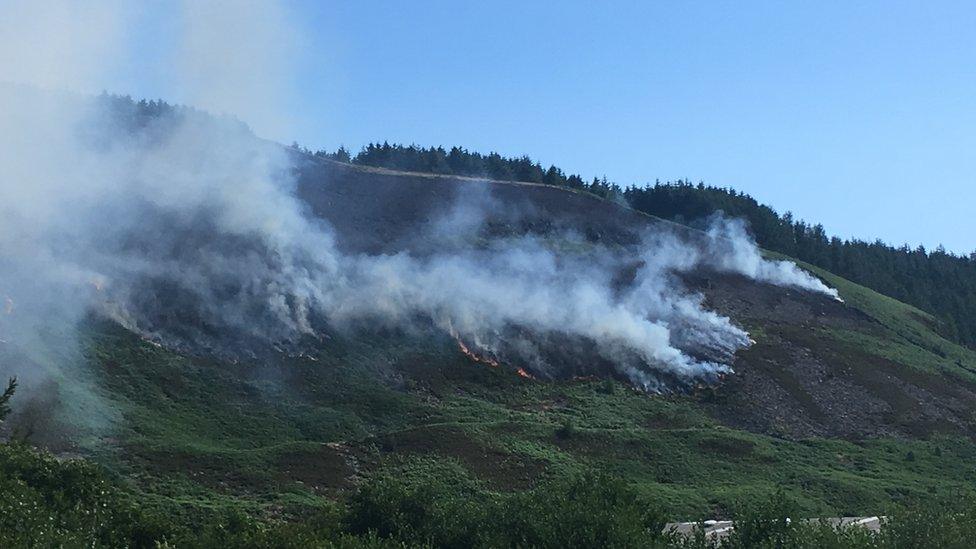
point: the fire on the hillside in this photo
(474, 356)
(481, 359)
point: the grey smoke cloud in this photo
(195, 212)
(184, 227)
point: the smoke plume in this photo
(186, 229)
(733, 250)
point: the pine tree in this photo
(5, 398)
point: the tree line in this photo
(936, 281)
(460, 161)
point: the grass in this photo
(215, 435)
(292, 436)
(424, 502)
(910, 336)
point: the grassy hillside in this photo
(280, 437)
(847, 409)
(205, 443)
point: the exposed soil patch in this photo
(730, 447)
(214, 471)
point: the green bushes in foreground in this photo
(586, 511)
(46, 502)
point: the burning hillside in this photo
(195, 234)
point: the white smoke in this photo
(732, 249)
(184, 227)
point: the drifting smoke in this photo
(63, 176)
(185, 228)
(732, 249)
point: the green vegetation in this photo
(287, 441)
(46, 502)
(912, 339)
(388, 439)
(391, 439)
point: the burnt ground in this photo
(798, 379)
(374, 210)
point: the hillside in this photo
(936, 281)
(847, 407)
(734, 309)
(813, 342)
(222, 340)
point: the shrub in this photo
(566, 430)
(764, 524)
(943, 523)
(607, 387)
(591, 510)
(440, 513)
(45, 502)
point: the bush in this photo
(766, 524)
(566, 430)
(591, 510)
(774, 523)
(585, 511)
(50, 503)
(46, 502)
(607, 386)
(436, 512)
(945, 523)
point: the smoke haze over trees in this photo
(935, 281)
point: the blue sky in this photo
(859, 115)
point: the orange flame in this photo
(474, 356)
(487, 359)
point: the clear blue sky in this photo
(859, 115)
